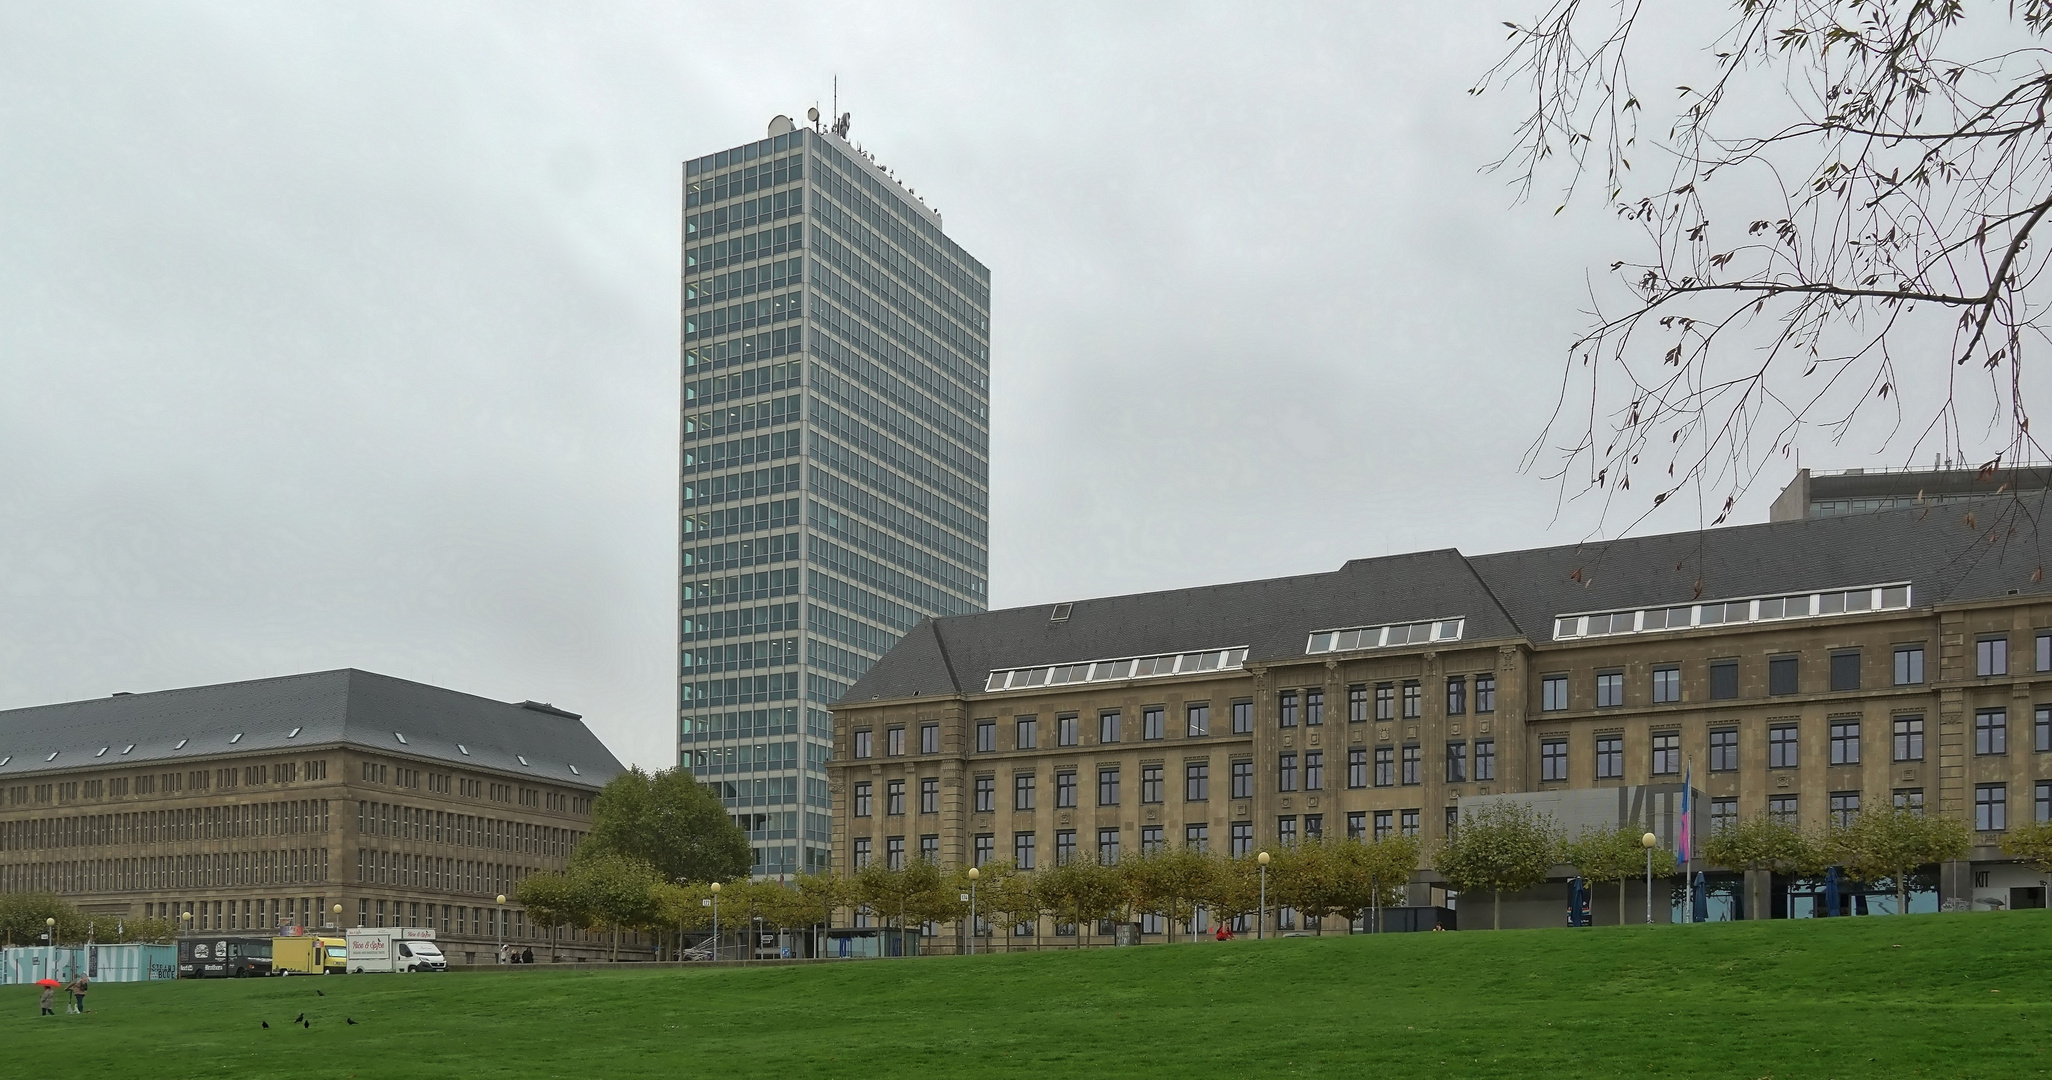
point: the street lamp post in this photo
(716, 920)
(337, 924)
(1261, 917)
(499, 927)
(52, 935)
(973, 875)
(1649, 842)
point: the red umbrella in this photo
(48, 982)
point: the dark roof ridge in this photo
(1185, 590)
(180, 690)
(941, 644)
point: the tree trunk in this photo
(1621, 903)
(1496, 909)
(1902, 893)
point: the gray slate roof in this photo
(346, 707)
(1513, 594)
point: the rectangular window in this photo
(1022, 850)
(1108, 728)
(1243, 779)
(1909, 665)
(1909, 738)
(1286, 773)
(1357, 704)
(1408, 821)
(1723, 815)
(1150, 783)
(929, 738)
(929, 849)
(1782, 674)
(1553, 759)
(862, 744)
(1382, 824)
(1286, 709)
(1066, 731)
(986, 794)
(1357, 825)
(1107, 787)
(1151, 841)
(1553, 693)
(1666, 685)
(1065, 790)
(2044, 650)
(1108, 846)
(860, 855)
(1456, 762)
(895, 742)
(986, 736)
(1197, 837)
(1199, 720)
(1991, 731)
(1029, 733)
(1242, 838)
(862, 797)
(1385, 701)
(1413, 760)
(1910, 799)
(1845, 742)
(1845, 670)
(1286, 831)
(1991, 656)
(1456, 695)
(1782, 808)
(1314, 708)
(1609, 757)
(2041, 728)
(1485, 693)
(1357, 767)
(1414, 699)
(1485, 759)
(1065, 846)
(895, 799)
(1845, 806)
(1151, 725)
(1022, 791)
(2042, 805)
(894, 852)
(1724, 683)
(1243, 718)
(1609, 689)
(1385, 766)
(1667, 753)
(1314, 770)
(1991, 807)
(929, 795)
(1783, 752)
(986, 848)
(1196, 781)
(1724, 754)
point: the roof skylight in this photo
(103, 751)
(521, 760)
(1386, 637)
(235, 738)
(1130, 667)
(401, 738)
(1858, 601)
(293, 734)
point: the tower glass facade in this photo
(834, 467)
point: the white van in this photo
(381, 949)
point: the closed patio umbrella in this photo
(1831, 891)
(1700, 909)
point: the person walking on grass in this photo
(78, 989)
(49, 999)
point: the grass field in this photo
(1958, 995)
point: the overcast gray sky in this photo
(346, 336)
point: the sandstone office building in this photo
(254, 805)
(1807, 669)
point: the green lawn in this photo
(1956, 995)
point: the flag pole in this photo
(1683, 853)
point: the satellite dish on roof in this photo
(781, 125)
(812, 114)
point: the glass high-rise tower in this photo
(835, 460)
